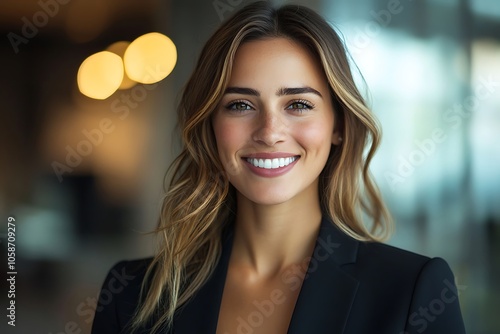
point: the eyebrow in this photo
(298, 90)
(242, 90)
(280, 92)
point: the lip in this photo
(271, 155)
(273, 172)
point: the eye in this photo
(300, 105)
(238, 106)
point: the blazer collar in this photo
(324, 301)
(327, 292)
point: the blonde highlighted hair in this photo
(200, 201)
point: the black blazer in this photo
(351, 287)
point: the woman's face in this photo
(275, 124)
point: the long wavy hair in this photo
(200, 201)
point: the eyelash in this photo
(231, 106)
(307, 105)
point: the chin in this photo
(267, 197)
(271, 201)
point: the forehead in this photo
(276, 61)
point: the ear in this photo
(336, 138)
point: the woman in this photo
(260, 230)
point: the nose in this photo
(270, 128)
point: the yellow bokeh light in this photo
(119, 49)
(100, 75)
(150, 58)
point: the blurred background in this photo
(83, 177)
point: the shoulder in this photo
(384, 263)
(119, 296)
(137, 268)
(379, 266)
(379, 255)
(418, 290)
(125, 278)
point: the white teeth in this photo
(271, 163)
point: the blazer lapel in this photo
(201, 313)
(327, 292)
(324, 301)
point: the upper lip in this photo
(270, 155)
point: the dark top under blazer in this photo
(351, 287)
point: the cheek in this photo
(316, 136)
(228, 136)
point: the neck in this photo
(269, 238)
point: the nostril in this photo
(269, 135)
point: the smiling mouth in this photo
(272, 163)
